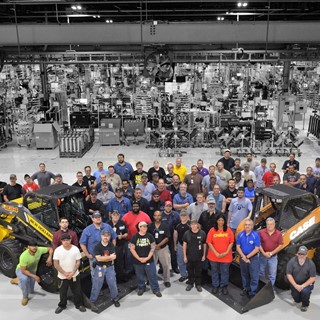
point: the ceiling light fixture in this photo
(242, 4)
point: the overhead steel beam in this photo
(225, 56)
(166, 33)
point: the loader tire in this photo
(10, 251)
(316, 259)
(48, 276)
(281, 280)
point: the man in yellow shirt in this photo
(180, 169)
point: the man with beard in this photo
(143, 203)
(119, 203)
(122, 168)
(136, 174)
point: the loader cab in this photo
(287, 205)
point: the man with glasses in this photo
(248, 246)
(13, 190)
(301, 274)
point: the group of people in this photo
(185, 221)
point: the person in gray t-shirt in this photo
(301, 274)
(239, 209)
(44, 177)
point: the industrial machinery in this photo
(297, 215)
(38, 218)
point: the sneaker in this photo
(116, 303)
(24, 301)
(244, 292)
(141, 292)
(167, 284)
(199, 289)
(225, 291)
(82, 309)
(181, 279)
(214, 290)
(158, 294)
(189, 287)
(59, 310)
(94, 308)
(304, 308)
(176, 270)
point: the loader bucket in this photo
(240, 303)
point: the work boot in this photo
(14, 281)
(24, 301)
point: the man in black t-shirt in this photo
(230, 193)
(2, 185)
(104, 253)
(13, 190)
(135, 176)
(142, 246)
(155, 204)
(88, 178)
(179, 230)
(93, 204)
(227, 160)
(120, 229)
(194, 253)
(161, 232)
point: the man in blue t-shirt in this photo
(248, 244)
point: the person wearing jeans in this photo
(271, 244)
(220, 240)
(179, 231)
(27, 268)
(104, 253)
(301, 274)
(142, 246)
(248, 246)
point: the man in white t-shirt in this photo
(66, 259)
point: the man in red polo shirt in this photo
(271, 243)
(267, 178)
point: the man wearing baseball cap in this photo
(12, 190)
(227, 160)
(301, 274)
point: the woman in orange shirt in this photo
(220, 240)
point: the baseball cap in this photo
(236, 172)
(33, 243)
(144, 175)
(65, 235)
(227, 150)
(93, 191)
(183, 212)
(303, 250)
(264, 160)
(58, 175)
(168, 202)
(96, 214)
(247, 165)
(105, 231)
(118, 189)
(211, 200)
(142, 223)
(115, 212)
